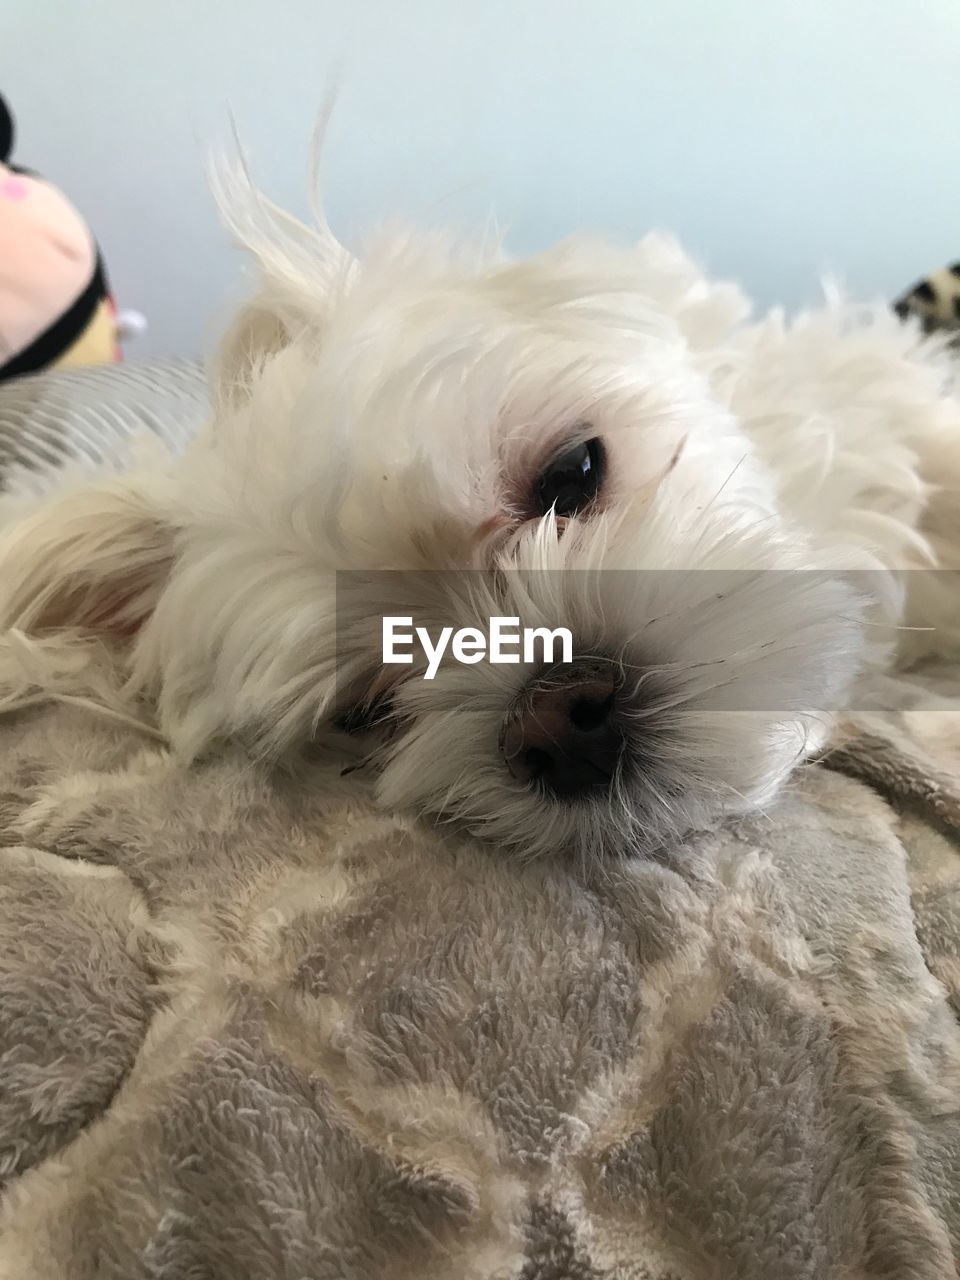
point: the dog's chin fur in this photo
(378, 428)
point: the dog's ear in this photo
(94, 559)
(300, 272)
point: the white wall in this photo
(780, 138)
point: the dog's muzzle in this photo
(563, 735)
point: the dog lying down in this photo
(598, 439)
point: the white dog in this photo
(594, 438)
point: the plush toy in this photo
(55, 304)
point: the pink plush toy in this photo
(55, 305)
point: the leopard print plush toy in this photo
(936, 300)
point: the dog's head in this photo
(446, 436)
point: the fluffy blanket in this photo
(244, 1033)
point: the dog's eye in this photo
(571, 480)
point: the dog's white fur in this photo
(385, 420)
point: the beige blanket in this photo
(244, 1034)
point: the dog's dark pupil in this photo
(571, 480)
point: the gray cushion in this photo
(91, 413)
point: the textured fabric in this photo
(246, 1032)
(90, 415)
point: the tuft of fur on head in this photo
(379, 426)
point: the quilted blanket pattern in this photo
(246, 1032)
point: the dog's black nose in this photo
(564, 737)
